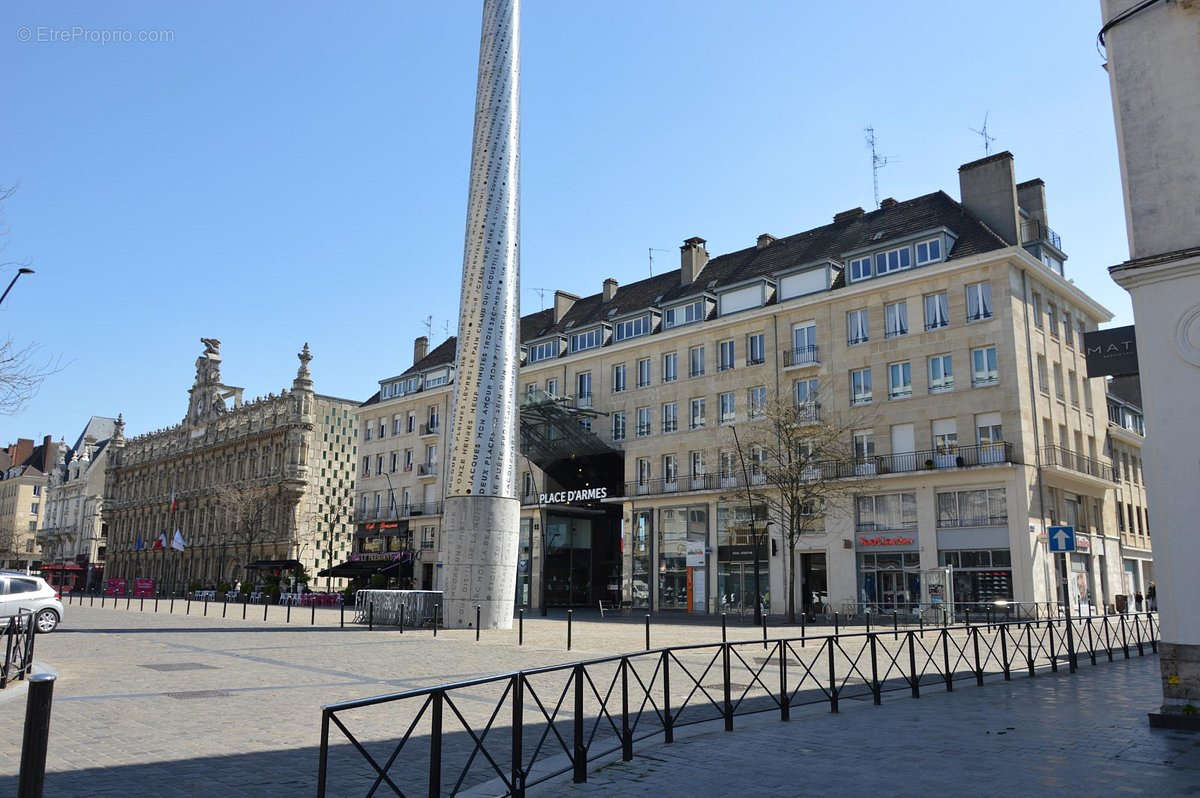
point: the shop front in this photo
(737, 558)
(887, 548)
(582, 555)
(640, 537)
(682, 553)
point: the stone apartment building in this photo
(1126, 434)
(72, 535)
(948, 325)
(252, 487)
(23, 482)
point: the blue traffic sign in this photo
(1062, 538)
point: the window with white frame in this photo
(937, 311)
(804, 392)
(757, 400)
(899, 380)
(552, 387)
(643, 471)
(670, 367)
(945, 435)
(941, 373)
(983, 366)
(543, 351)
(895, 319)
(1087, 395)
(583, 388)
(1036, 301)
(857, 327)
(643, 422)
(618, 378)
(979, 301)
(410, 423)
(670, 466)
(397, 425)
(697, 412)
(860, 386)
(589, 339)
(725, 355)
(727, 465)
(696, 361)
(1059, 391)
(988, 429)
(886, 511)
(366, 467)
(725, 407)
(643, 372)
(1043, 375)
(1073, 387)
(755, 349)
(860, 268)
(670, 417)
(1068, 329)
(804, 342)
(929, 251)
(979, 507)
(618, 426)
(684, 314)
(632, 328)
(696, 460)
(864, 444)
(893, 260)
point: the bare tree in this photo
(800, 458)
(23, 368)
(252, 513)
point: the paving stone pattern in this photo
(164, 704)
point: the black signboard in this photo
(1111, 353)
(741, 553)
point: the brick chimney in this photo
(563, 302)
(693, 257)
(764, 240)
(610, 289)
(846, 216)
(1031, 197)
(420, 348)
(989, 191)
(887, 202)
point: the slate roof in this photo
(828, 242)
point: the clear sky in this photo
(277, 173)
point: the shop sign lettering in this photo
(880, 540)
(568, 496)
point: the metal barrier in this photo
(564, 716)
(19, 635)
(414, 608)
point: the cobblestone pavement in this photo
(174, 704)
(1055, 734)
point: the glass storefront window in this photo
(568, 565)
(981, 576)
(525, 563)
(643, 523)
(677, 526)
(889, 582)
(735, 558)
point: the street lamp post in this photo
(753, 532)
(20, 271)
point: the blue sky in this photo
(291, 172)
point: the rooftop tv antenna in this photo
(877, 161)
(428, 322)
(983, 134)
(650, 251)
(541, 292)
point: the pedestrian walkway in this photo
(1055, 734)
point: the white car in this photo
(21, 591)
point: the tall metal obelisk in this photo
(482, 513)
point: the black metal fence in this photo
(443, 739)
(19, 635)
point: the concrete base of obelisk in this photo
(481, 535)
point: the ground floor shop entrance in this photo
(889, 582)
(582, 558)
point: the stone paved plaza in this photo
(163, 704)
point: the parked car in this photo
(21, 591)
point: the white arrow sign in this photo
(1060, 539)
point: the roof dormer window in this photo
(860, 268)
(893, 260)
(589, 339)
(684, 314)
(929, 251)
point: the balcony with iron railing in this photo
(801, 357)
(427, 469)
(1033, 231)
(1063, 458)
(431, 428)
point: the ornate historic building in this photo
(72, 535)
(239, 488)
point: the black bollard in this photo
(142, 603)
(723, 630)
(342, 620)
(224, 607)
(188, 609)
(288, 615)
(371, 616)
(647, 632)
(436, 607)
(764, 630)
(520, 627)
(868, 623)
(968, 611)
(172, 607)
(476, 623)
(835, 624)
(570, 614)
(265, 605)
(37, 733)
(313, 621)
(205, 608)
(803, 627)
(401, 619)
(245, 601)
(156, 602)
(128, 599)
